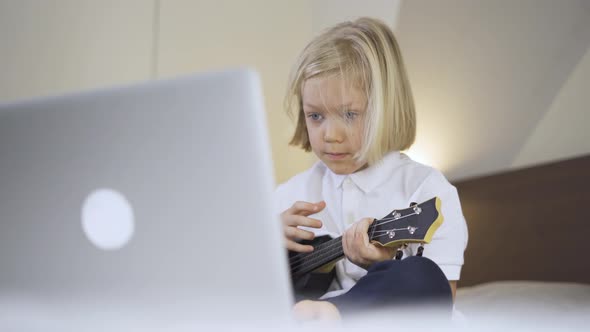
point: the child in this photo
(354, 107)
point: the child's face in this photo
(334, 114)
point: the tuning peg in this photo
(413, 204)
(399, 254)
(420, 250)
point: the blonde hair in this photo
(366, 51)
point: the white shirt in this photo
(374, 192)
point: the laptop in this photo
(143, 204)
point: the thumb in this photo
(386, 251)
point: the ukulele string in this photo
(314, 263)
(391, 219)
(394, 230)
(325, 250)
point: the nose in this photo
(333, 132)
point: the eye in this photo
(314, 116)
(351, 115)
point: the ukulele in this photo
(415, 224)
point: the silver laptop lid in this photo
(157, 194)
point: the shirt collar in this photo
(370, 177)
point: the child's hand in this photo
(359, 250)
(295, 216)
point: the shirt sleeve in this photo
(450, 240)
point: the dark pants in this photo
(414, 281)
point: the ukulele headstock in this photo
(415, 224)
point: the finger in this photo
(345, 243)
(359, 236)
(390, 251)
(363, 230)
(297, 233)
(298, 247)
(367, 252)
(387, 251)
(348, 244)
(297, 220)
(306, 208)
(381, 253)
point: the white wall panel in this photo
(564, 131)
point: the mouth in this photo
(336, 156)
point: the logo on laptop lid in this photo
(107, 219)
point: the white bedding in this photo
(547, 303)
(499, 306)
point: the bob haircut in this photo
(365, 52)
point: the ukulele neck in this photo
(321, 255)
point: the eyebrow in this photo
(347, 106)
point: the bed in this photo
(527, 251)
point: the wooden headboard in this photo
(528, 224)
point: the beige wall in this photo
(267, 35)
(50, 47)
(326, 13)
(64, 45)
(564, 131)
